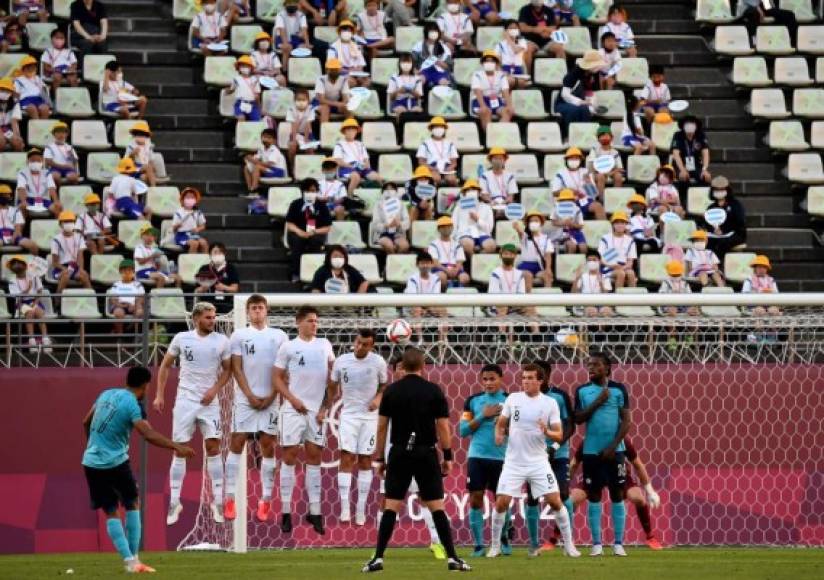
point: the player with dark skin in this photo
(599, 369)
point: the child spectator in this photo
(59, 63)
(498, 186)
(325, 11)
(456, 28)
(331, 91)
(267, 163)
(701, 262)
(605, 149)
(538, 22)
(238, 11)
(189, 223)
(307, 223)
(246, 88)
(126, 189)
(141, 150)
(371, 27)
(439, 153)
(27, 289)
(483, 10)
(94, 225)
(225, 277)
(62, 160)
(12, 223)
(564, 13)
(433, 57)
(536, 250)
(331, 190)
(346, 50)
(32, 91)
(12, 39)
(152, 264)
(352, 157)
(420, 192)
(506, 279)
(632, 131)
(67, 254)
(36, 190)
(662, 195)
(655, 96)
(760, 282)
(24, 9)
(473, 220)
(291, 30)
(448, 255)
(618, 252)
(618, 26)
(490, 91)
(642, 227)
(567, 215)
(10, 117)
(209, 27)
(674, 283)
(300, 117)
(336, 275)
(589, 280)
(405, 89)
(425, 281)
(125, 297)
(516, 55)
(119, 96)
(267, 63)
(612, 56)
(576, 177)
(390, 222)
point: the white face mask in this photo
(573, 163)
(209, 8)
(513, 33)
(719, 193)
(438, 132)
(310, 196)
(534, 226)
(433, 35)
(699, 245)
(5, 95)
(346, 35)
(689, 127)
(245, 70)
(490, 66)
(68, 227)
(453, 8)
(592, 265)
(218, 259)
(406, 67)
(264, 45)
(35, 166)
(337, 262)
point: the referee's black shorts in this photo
(110, 488)
(483, 474)
(422, 464)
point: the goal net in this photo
(727, 410)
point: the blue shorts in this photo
(62, 172)
(371, 41)
(633, 140)
(145, 273)
(345, 172)
(72, 268)
(273, 172)
(534, 267)
(182, 238)
(36, 101)
(475, 107)
(129, 207)
(656, 106)
(434, 75)
(564, 16)
(294, 41)
(45, 201)
(577, 236)
(406, 102)
(116, 106)
(513, 69)
(479, 240)
(483, 8)
(483, 474)
(253, 115)
(333, 109)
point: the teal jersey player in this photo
(482, 442)
(565, 406)
(116, 411)
(605, 421)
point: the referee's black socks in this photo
(444, 532)
(385, 530)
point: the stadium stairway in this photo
(198, 148)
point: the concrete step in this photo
(261, 254)
(773, 205)
(771, 220)
(182, 107)
(224, 205)
(271, 287)
(142, 25)
(156, 41)
(242, 238)
(199, 173)
(168, 75)
(170, 122)
(684, 45)
(780, 238)
(260, 272)
(189, 140)
(740, 172)
(692, 76)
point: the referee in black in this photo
(419, 415)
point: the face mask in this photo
(719, 193)
(209, 8)
(140, 140)
(189, 202)
(245, 70)
(301, 105)
(438, 132)
(424, 270)
(291, 9)
(68, 227)
(699, 245)
(310, 196)
(433, 35)
(663, 180)
(264, 45)
(605, 140)
(453, 8)
(573, 163)
(472, 193)
(592, 265)
(489, 66)
(35, 166)
(497, 163)
(4, 95)
(507, 261)
(406, 67)
(337, 262)
(345, 35)
(513, 33)
(534, 226)
(92, 209)
(689, 127)
(330, 175)
(218, 259)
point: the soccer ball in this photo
(398, 331)
(566, 337)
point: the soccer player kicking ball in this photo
(604, 406)
(486, 458)
(530, 417)
(108, 426)
(301, 375)
(204, 370)
(361, 375)
(254, 350)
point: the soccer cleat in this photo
(373, 565)
(533, 552)
(229, 510)
(493, 552)
(262, 512)
(438, 551)
(654, 544)
(217, 513)
(317, 523)
(479, 552)
(618, 550)
(360, 519)
(506, 549)
(139, 568)
(596, 550)
(458, 565)
(345, 514)
(548, 547)
(286, 523)
(572, 552)
(175, 510)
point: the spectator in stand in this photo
(238, 10)
(224, 275)
(617, 25)
(498, 186)
(332, 190)
(12, 223)
(655, 96)
(662, 195)
(536, 250)
(59, 64)
(189, 223)
(125, 297)
(456, 29)
(516, 55)
(346, 50)
(10, 117)
(702, 263)
(576, 177)
(691, 153)
(760, 282)
(126, 190)
(390, 222)
(570, 220)
(246, 89)
(291, 30)
(119, 96)
(331, 92)
(589, 280)
(405, 89)
(605, 149)
(62, 160)
(33, 92)
(67, 254)
(300, 117)
(733, 232)
(90, 27)
(141, 150)
(537, 22)
(400, 12)
(490, 98)
(27, 289)
(632, 132)
(325, 11)
(337, 276)
(507, 279)
(439, 72)
(152, 264)
(564, 13)
(420, 193)
(755, 13)
(642, 227)
(307, 223)
(448, 255)
(618, 252)
(209, 27)
(94, 225)
(425, 281)
(372, 29)
(486, 10)
(24, 9)
(267, 163)
(576, 101)
(474, 220)
(612, 56)
(439, 153)
(267, 63)
(12, 38)
(352, 157)
(674, 283)
(36, 190)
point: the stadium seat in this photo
(805, 168)
(614, 101)
(219, 70)
(266, 10)
(550, 311)
(367, 265)
(242, 37)
(101, 167)
(382, 70)
(582, 135)
(406, 37)
(309, 263)
(537, 199)
(10, 165)
(4, 307)
(164, 200)
(462, 311)
(446, 199)
(247, 135)
(808, 103)
(128, 232)
(330, 134)
(279, 199)
(750, 71)
(550, 72)
(465, 136)
(653, 267)
(61, 9)
(79, 304)
(529, 104)
(640, 310)
(75, 102)
(579, 40)
(679, 233)
(380, 137)
(369, 197)
(122, 137)
(38, 132)
(276, 102)
(399, 267)
(768, 103)
(786, 136)
(552, 165)
(719, 311)
(615, 198)
(634, 73)
(505, 233)
(737, 266)
(486, 37)
(422, 233)
(594, 230)
(415, 132)
(506, 135)
(449, 108)
(811, 39)
(9, 63)
(370, 108)
(732, 41)
(395, 167)
(819, 70)
(817, 134)
(815, 200)
(642, 168)
(792, 71)
(104, 268)
(462, 70)
(482, 267)
(525, 168)
(90, 135)
(168, 304)
(185, 10)
(307, 166)
(713, 11)
(773, 40)
(346, 234)
(802, 9)
(567, 266)
(42, 232)
(39, 35)
(698, 200)
(71, 197)
(388, 312)
(188, 266)
(544, 136)
(662, 134)
(93, 66)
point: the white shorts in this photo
(296, 429)
(245, 419)
(540, 478)
(357, 434)
(187, 415)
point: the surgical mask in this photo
(406, 67)
(291, 9)
(301, 104)
(264, 45)
(497, 163)
(35, 166)
(92, 209)
(507, 261)
(592, 265)
(330, 175)
(189, 202)
(663, 180)
(472, 193)
(424, 271)
(438, 132)
(719, 193)
(245, 70)
(534, 226)
(218, 259)
(209, 8)
(689, 127)
(346, 35)
(573, 163)
(513, 33)
(699, 245)
(337, 262)
(58, 42)
(605, 140)
(310, 196)
(433, 35)
(489, 66)
(453, 8)
(5, 95)
(68, 227)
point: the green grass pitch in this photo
(417, 564)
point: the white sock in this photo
(287, 486)
(267, 476)
(364, 487)
(378, 518)
(562, 519)
(214, 465)
(498, 520)
(232, 463)
(344, 487)
(176, 475)
(430, 525)
(313, 488)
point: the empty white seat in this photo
(773, 40)
(811, 39)
(719, 311)
(529, 104)
(90, 135)
(750, 71)
(544, 136)
(713, 11)
(817, 134)
(639, 310)
(815, 200)
(768, 103)
(787, 136)
(634, 73)
(73, 102)
(805, 168)
(219, 70)
(525, 167)
(793, 71)
(506, 135)
(732, 41)
(380, 136)
(465, 135)
(808, 103)
(550, 72)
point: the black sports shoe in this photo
(458, 565)
(317, 523)
(286, 523)
(373, 565)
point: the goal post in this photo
(727, 402)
